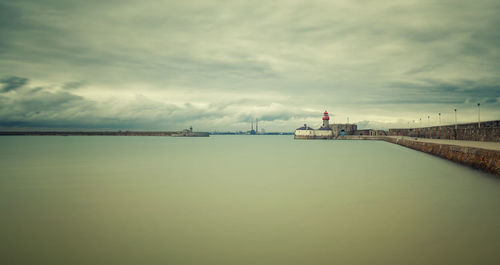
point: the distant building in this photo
(252, 131)
(370, 132)
(304, 132)
(343, 129)
(326, 131)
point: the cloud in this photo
(491, 100)
(73, 85)
(218, 64)
(56, 107)
(12, 83)
(435, 91)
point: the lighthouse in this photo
(326, 120)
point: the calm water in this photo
(240, 200)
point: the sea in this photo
(119, 200)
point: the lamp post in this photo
(455, 119)
(428, 121)
(420, 122)
(413, 129)
(439, 114)
(478, 115)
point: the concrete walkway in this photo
(474, 144)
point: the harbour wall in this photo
(361, 137)
(488, 131)
(483, 159)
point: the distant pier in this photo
(184, 133)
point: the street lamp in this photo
(420, 122)
(428, 121)
(455, 119)
(478, 115)
(439, 114)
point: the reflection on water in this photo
(240, 200)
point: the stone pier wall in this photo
(483, 159)
(360, 137)
(488, 131)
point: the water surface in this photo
(240, 200)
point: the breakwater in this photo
(487, 131)
(480, 158)
(485, 159)
(184, 133)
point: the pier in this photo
(473, 144)
(484, 156)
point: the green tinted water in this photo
(240, 200)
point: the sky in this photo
(217, 65)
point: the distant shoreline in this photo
(184, 133)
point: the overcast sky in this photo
(216, 65)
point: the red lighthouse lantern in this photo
(325, 115)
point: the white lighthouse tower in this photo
(326, 120)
